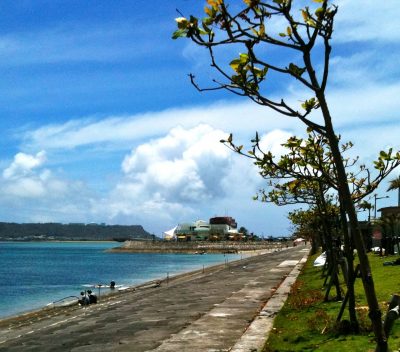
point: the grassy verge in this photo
(306, 323)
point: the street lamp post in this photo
(375, 199)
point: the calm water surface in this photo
(33, 274)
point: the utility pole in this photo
(375, 199)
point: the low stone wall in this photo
(196, 247)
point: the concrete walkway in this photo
(221, 309)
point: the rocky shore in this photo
(198, 247)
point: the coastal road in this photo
(200, 311)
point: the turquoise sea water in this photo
(33, 274)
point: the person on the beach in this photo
(84, 301)
(92, 297)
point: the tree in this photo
(364, 205)
(302, 39)
(390, 228)
(306, 174)
(306, 225)
(393, 185)
(243, 230)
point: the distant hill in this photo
(73, 232)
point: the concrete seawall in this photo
(201, 311)
(197, 247)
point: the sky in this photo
(100, 123)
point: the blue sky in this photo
(100, 123)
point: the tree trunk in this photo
(375, 313)
(332, 250)
(398, 197)
(348, 250)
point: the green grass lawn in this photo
(306, 323)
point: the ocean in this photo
(33, 274)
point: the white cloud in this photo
(242, 118)
(365, 106)
(367, 102)
(26, 178)
(367, 20)
(181, 173)
(183, 166)
(185, 175)
(24, 188)
(273, 141)
(23, 164)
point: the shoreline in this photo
(194, 311)
(55, 310)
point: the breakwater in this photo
(198, 247)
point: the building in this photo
(387, 211)
(217, 229)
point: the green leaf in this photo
(179, 33)
(311, 23)
(205, 27)
(309, 104)
(202, 31)
(296, 70)
(244, 58)
(319, 12)
(260, 73)
(208, 21)
(235, 64)
(382, 154)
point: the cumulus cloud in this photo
(24, 164)
(273, 141)
(180, 176)
(25, 177)
(186, 175)
(185, 165)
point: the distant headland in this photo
(71, 232)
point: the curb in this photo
(258, 332)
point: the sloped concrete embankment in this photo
(196, 247)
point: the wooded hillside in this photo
(57, 231)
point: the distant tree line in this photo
(74, 231)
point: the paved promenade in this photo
(200, 311)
